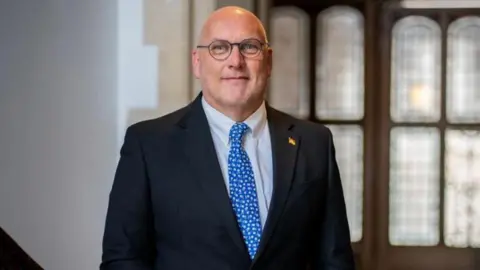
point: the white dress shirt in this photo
(257, 144)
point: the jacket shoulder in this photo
(158, 126)
(307, 128)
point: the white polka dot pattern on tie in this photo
(243, 193)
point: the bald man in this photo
(228, 182)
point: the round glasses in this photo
(221, 49)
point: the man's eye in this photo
(219, 48)
(250, 48)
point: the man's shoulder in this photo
(160, 125)
(306, 127)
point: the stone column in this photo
(167, 26)
(201, 11)
(171, 28)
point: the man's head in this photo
(233, 78)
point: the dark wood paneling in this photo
(317, 3)
(12, 256)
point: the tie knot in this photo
(237, 131)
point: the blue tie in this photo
(243, 193)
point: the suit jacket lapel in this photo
(284, 154)
(200, 150)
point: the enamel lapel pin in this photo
(291, 141)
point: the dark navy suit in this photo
(169, 208)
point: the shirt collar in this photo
(222, 123)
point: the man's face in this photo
(236, 81)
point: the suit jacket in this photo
(169, 208)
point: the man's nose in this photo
(236, 58)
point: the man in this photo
(228, 182)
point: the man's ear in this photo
(269, 61)
(196, 63)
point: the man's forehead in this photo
(234, 34)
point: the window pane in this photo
(415, 73)
(463, 87)
(348, 142)
(289, 88)
(339, 72)
(414, 186)
(462, 188)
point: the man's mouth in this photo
(233, 78)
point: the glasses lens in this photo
(219, 49)
(250, 47)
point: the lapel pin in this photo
(291, 141)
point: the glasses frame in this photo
(262, 44)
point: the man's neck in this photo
(237, 113)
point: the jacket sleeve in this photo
(333, 249)
(128, 241)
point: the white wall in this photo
(137, 69)
(58, 149)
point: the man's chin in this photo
(236, 102)
(236, 96)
